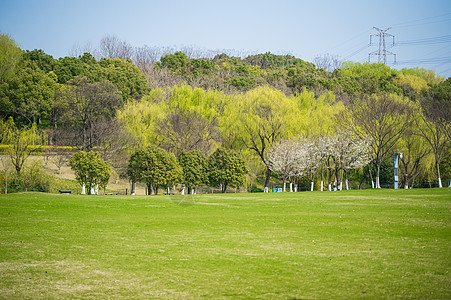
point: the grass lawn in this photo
(372, 244)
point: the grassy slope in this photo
(356, 244)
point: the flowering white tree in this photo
(282, 159)
(312, 159)
(324, 147)
(340, 153)
(355, 152)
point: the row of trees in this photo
(157, 168)
(306, 157)
(252, 105)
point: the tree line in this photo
(327, 124)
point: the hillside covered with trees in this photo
(286, 119)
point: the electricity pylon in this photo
(382, 52)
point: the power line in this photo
(433, 60)
(426, 41)
(349, 40)
(355, 52)
(420, 21)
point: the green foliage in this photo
(9, 57)
(22, 142)
(33, 177)
(84, 108)
(126, 76)
(194, 166)
(155, 167)
(385, 173)
(258, 119)
(201, 104)
(177, 62)
(427, 75)
(31, 93)
(298, 79)
(242, 83)
(43, 61)
(226, 168)
(177, 118)
(273, 61)
(90, 169)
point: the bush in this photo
(32, 177)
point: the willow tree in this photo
(189, 119)
(140, 119)
(176, 119)
(258, 119)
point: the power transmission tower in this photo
(382, 52)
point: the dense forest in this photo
(287, 119)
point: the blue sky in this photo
(304, 29)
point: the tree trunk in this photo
(330, 179)
(311, 187)
(148, 189)
(337, 177)
(267, 179)
(224, 188)
(438, 174)
(341, 180)
(378, 183)
(132, 188)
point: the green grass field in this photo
(381, 244)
